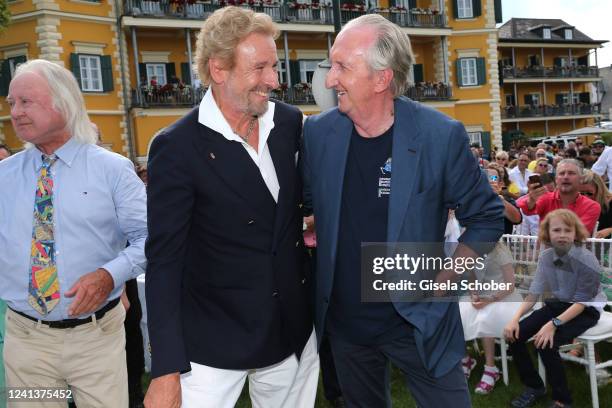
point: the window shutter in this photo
(528, 99)
(476, 8)
(412, 4)
(418, 73)
(5, 77)
(294, 70)
(75, 67)
(481, 71)
(486, 143)
(559, 99)
(170, 71)
(584, 97)
(107, 73)
(186, 73)
(459, 77)
(498, 11)
(20, 60)
(455, 9)
(142, 72)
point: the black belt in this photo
(70, 323)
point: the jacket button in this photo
(251, 222)
(275, 294)
(303, 281)
(297, 243)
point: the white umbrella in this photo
(589, 130)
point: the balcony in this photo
(428, 91)
(538, 71)
(535, 111)
(281, 12)
(185, 96)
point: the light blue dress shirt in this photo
(99, 204)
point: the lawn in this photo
(500, 397)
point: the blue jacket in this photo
(433, 171)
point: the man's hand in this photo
(90, 292)
(164, 392)
(535, 193)
(545, 336)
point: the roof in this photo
(524, 30)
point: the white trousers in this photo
(289, 383)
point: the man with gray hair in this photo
(374, 171)
(71, 210)
(567, 195)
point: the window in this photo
(566, 99)
(91, 73)
(509, 100)
(7, 71)
(534, 98)
(468, 72)
(307, 69)
(158, 71)
(475, 137)
(282, 72)
(464, 9)
(569, 34)
(546, 33)
(14, 62)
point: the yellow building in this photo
(132, 57)
(548, 68)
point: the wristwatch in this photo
(556, 322)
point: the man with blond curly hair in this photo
(227, 291)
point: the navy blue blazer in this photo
(433, 171)
(226, 285)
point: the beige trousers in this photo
(90, 359)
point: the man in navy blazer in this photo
(227, 293)
(382, 168)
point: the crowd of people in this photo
(219, 229)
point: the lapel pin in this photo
(212, 156)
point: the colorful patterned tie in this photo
(44, 292)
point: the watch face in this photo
(556, 322)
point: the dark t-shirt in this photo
(363, 218)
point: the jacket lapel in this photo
(337, 150)
(231, 163)
(283, 157)
(404, 166)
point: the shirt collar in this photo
(210, 116)
(577, 201)
(65, 153)
(571, 254)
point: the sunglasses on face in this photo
(587, 193)
(542, 165)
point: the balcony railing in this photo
(316, 13)
(427, 91)
(579, 71)
(533, 111)
(176, 96)
(167, 96)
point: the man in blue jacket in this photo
(381, 168)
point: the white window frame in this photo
(546, 33)
(469, 72)
(282, 72)
(568, 33)
(465, 9)
(162, 78)
(12, 61)
(536, 98)
(90, 67)
(307, 66)
(475, 137)
(566, 98)
(565, 62)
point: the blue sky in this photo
(592, 17)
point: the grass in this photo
(500, 397)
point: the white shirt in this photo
(520, 180)
(210, 116)
(603, 165)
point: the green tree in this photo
(5, 15)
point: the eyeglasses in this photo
(501, 159)
(578, 143)
(542, 165)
